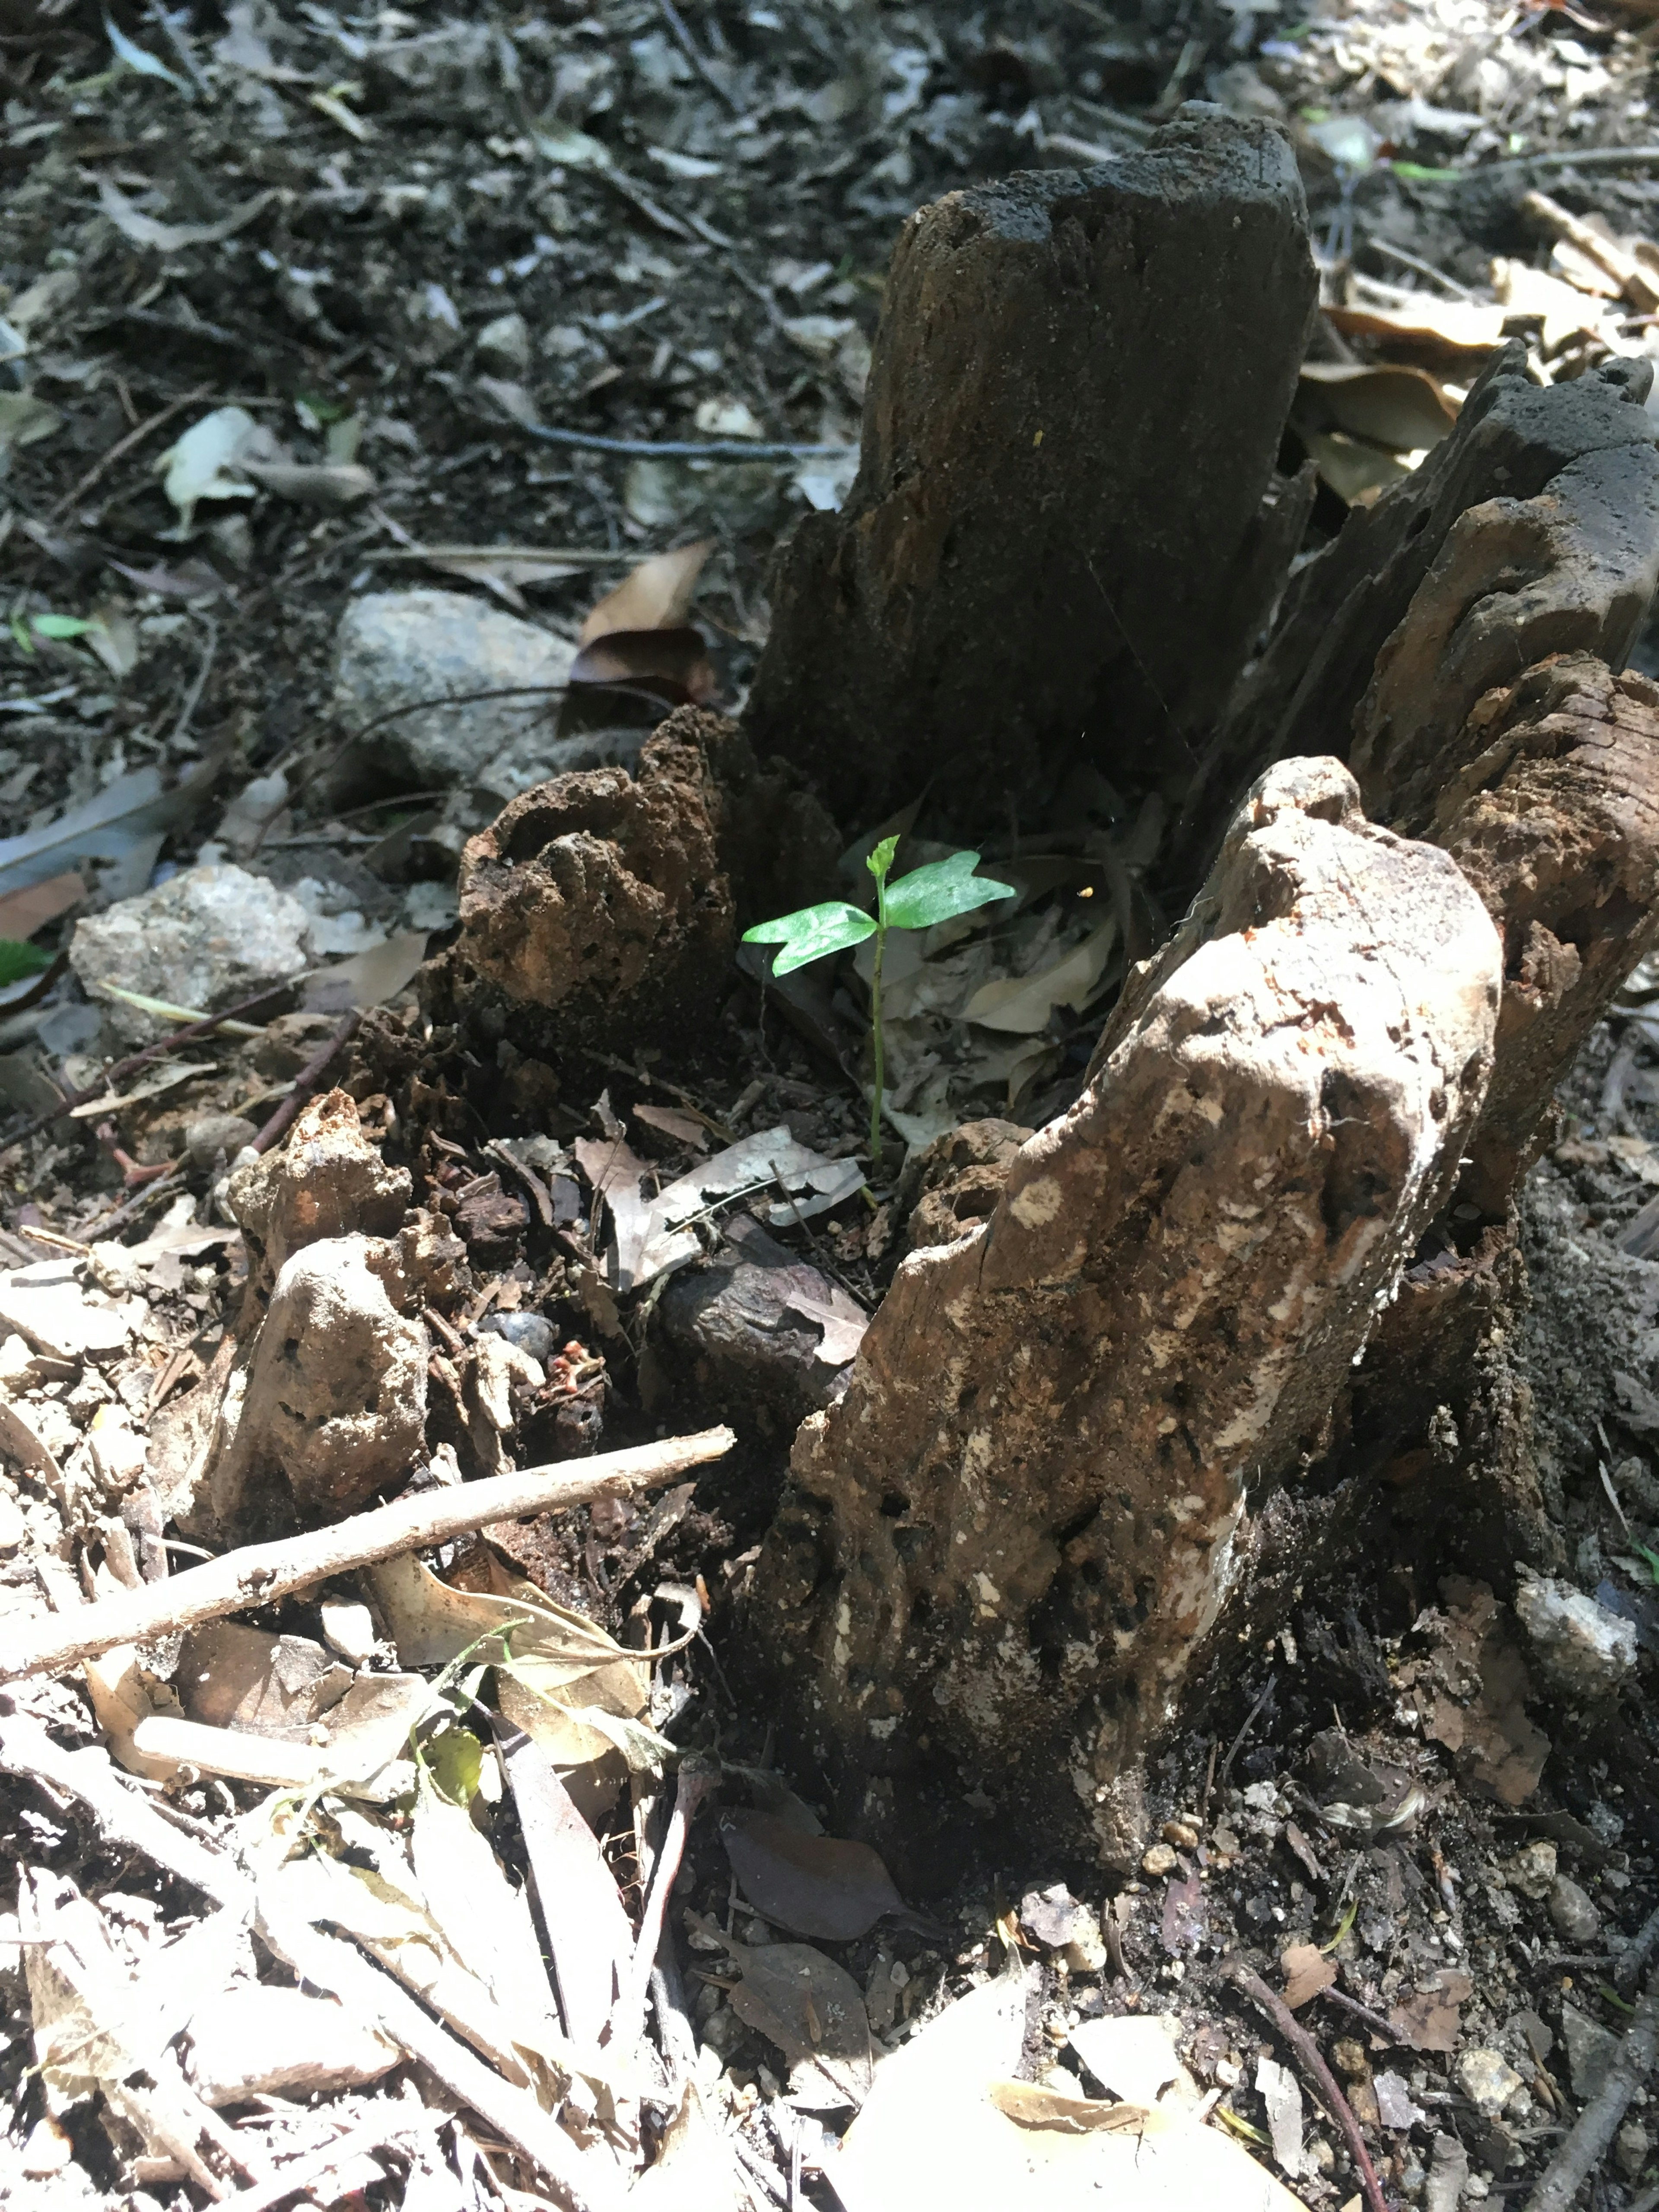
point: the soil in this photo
(693, 218)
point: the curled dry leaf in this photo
(810, 2008)
(822, 1886)
(671, 664)
(655, 596)
(1307, 1971)
(1031, 2105)
(1022, 1004)
(589, 1934)
(1401, 408)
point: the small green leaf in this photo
(941, 891)
(881, 858)
(1652, 1558)
(811, 932)
(58, 626)
(20, 636)
(454, 1758)
(17, 961)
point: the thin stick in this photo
(385, 2133)
(368, 1992)
(1249, 1723)
(1319, 2074)
(1597, 2124)
(123, 1816)
(1636, 1954)
(692, 1785)
(260, 1573)
(1374, 2021)
(122, 1068)
(308, 1080)
(100, 469)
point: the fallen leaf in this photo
(673, 1121)
(195, 466)
(812, 2011)
(330, 485)
(23, 912)
(932, 2131)
(1404, 409)
(672, 665)
(1462, 329)
(368, 978)
(25, 420)
(1185, 1920)
(1031, 2105)
(1429, 2019)
(843, 1323)
(1133, 2056)
(123, 824)
(1022, 1004)
(822, 1886)
(589, 1933)
(173, 237)
(485, 1919)
(44, 1303)
(696, 2169)
(1307, 1971)
(656, 595)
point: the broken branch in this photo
(260, 1573)
(1324, 2081)
(1597, 2124)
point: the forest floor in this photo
(380, 257)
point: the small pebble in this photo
(1350, 2056)
(1177, 1832)
(213, 1133)
(1487, 2079)
(1159, 1861)
(1576, 1919)
(1631, 2147)
(531, 1331)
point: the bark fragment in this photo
(1003, 1544)
(1078, 393)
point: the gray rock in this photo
(505, 342)
(216, 1135)
(1591, 2049)
(395, 648)
(1631, 2147)
(1583, 1651)
(1449, 2169)
(1577, 1920)
(1487, 2079)
(753, 1352)
(202, 940)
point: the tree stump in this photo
(1244, 1309)
(1003, 1545)
(1066, 530)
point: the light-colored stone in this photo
(1158, 1861)
(1631, 2147)
(1487, 2079)
(1532, 1869)
(1448, 2170)
(504, 343)
(1583, 1651)
(348, 1629)
(1591, 2048)
(395, 648)
(216, 1135)
(336, 1396)
(326, 1181)
(1576, 1918)
(204, 939)
(254, 2040)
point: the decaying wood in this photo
(1531, 530)
(1066, 529)
(260, 1573)
(1004, 1544)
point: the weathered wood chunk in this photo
(1002, 1547)
(1066, 529)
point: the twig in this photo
(1374, 2021)
(692, 1784)
(193, 697)
(260, 1573)
(1636, 1954)
(1392, 252)
(1319, 2074)
(1249, 1722)
(302, 2173)
(108, 1224)
(129, 1066)
(308, 1080)
(123, 1816)
(688, 46)
(122, 446)
(1597, 2124)
(368, 1992)
(679, 449)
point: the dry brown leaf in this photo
(656, 595)
(821, 1885)
(1428, 2020)
(1307, 1971)
(670, 665)
(21, 913)
(811, 2009)
(1387, 404)
(1030, 2105)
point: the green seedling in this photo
(18, 961)
(939, 892)
(1652, 1558)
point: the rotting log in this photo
(1000, 1551)
(1066, 529)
